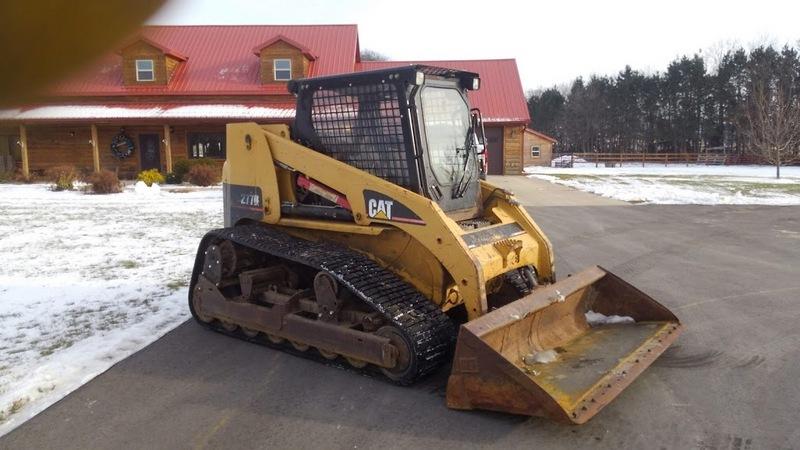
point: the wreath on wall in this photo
(122, 146)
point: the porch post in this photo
(95, 149)
(168, 148)
(23, 143)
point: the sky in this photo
(553, 42)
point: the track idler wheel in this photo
(275, 339)
(249, 332)
(299, 346)
(198, 312)
(328, 355)
(406, 362)
(357, 363)
(228, 326)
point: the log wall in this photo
(54, 145)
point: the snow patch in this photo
(143, 189)
(543, 357)
(680, 185)
(89, 280)
(230, 111)
(595, 319)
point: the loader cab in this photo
(411, 126)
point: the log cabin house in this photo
(167, 93)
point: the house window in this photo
(207, 145)
(282, 69)
(144, 70)
(535, 151)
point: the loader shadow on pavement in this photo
(732, 274)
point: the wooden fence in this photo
(616, 159)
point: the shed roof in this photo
(500, 97)
(541, 135)
(219, 59)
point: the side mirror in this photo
(478, 133)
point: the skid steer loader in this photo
(365, 234)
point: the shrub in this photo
(150, 176)
(172, 178)
(105, 182)
(182, 166)
(203, 175)
(62, 177)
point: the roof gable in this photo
(281, 38)
(167, 51)
(500, 97)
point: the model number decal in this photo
(252, 199)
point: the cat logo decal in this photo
(382, 207)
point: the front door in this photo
(8, 145)
(150, 151)
(494, 149)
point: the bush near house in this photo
(181, 167)
(105, 182)
(151, 176)
(62, 177)
(203, 175)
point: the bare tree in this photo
(372, 55)
(773, 119)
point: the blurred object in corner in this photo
(42, 41)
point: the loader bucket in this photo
(540, 356)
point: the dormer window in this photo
(145, 70)
(282, 69)
(282, 59)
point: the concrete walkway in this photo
(536, 192)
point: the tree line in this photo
(737, 102)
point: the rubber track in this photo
(430, 331)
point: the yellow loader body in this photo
(537, 355)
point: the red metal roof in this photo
(220, 60)
(500, 98)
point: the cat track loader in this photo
(366, 234)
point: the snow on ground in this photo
(87, 280)
(680, 184)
